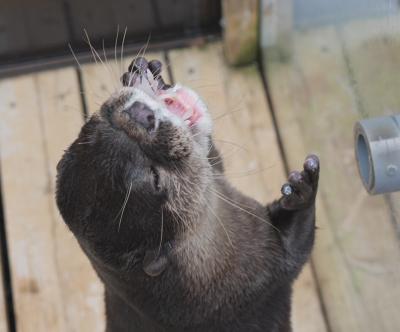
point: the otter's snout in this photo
(141, 114)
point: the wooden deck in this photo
(353, 283)
(337, 75)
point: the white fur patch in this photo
(145, 93)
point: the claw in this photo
(301, 188)
(286, 189)
(295, 176)
(311, 163)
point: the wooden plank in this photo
(82, 291)
(357, 254)
(241, 19)
(243, 126)
(54, 286)
(372, 48)
(276, 25)
(312, 13)
(100, 80)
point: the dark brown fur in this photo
(225, 262)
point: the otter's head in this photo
(139, 167)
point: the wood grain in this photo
(357, 253)
(54, 286)
(245, 135)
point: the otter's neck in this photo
(205, 246)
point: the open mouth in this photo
(182, 102)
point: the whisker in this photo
(232, 143)
(232, 175)
(211, 85)
(165, 67)
(97, 54)
(225, 199)
(124, 205)
(161, 231)
(76, 59)
(108, 64)
(90, 45)
(147, 44)
(85, 143)
(122, 51)
(222, 225)
(225, 156)
(133, 61)
(80, 68)
(204, 82)
(115, 47)
(82, 92)
(89, 91)
(141, 53)
(240, 109)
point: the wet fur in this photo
(229, 268)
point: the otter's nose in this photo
(141, 114)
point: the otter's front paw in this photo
(300, 190)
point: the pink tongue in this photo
(181, 102)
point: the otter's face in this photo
(139, 165)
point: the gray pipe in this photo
(377, 147)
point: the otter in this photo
(178, 248)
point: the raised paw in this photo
(300, 190)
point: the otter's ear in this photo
(215, 158)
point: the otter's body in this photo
(177, 248)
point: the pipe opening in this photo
(364, 164)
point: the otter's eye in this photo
(156, 178)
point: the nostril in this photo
(150, 119)
(141, 114)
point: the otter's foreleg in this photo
(293, 214)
